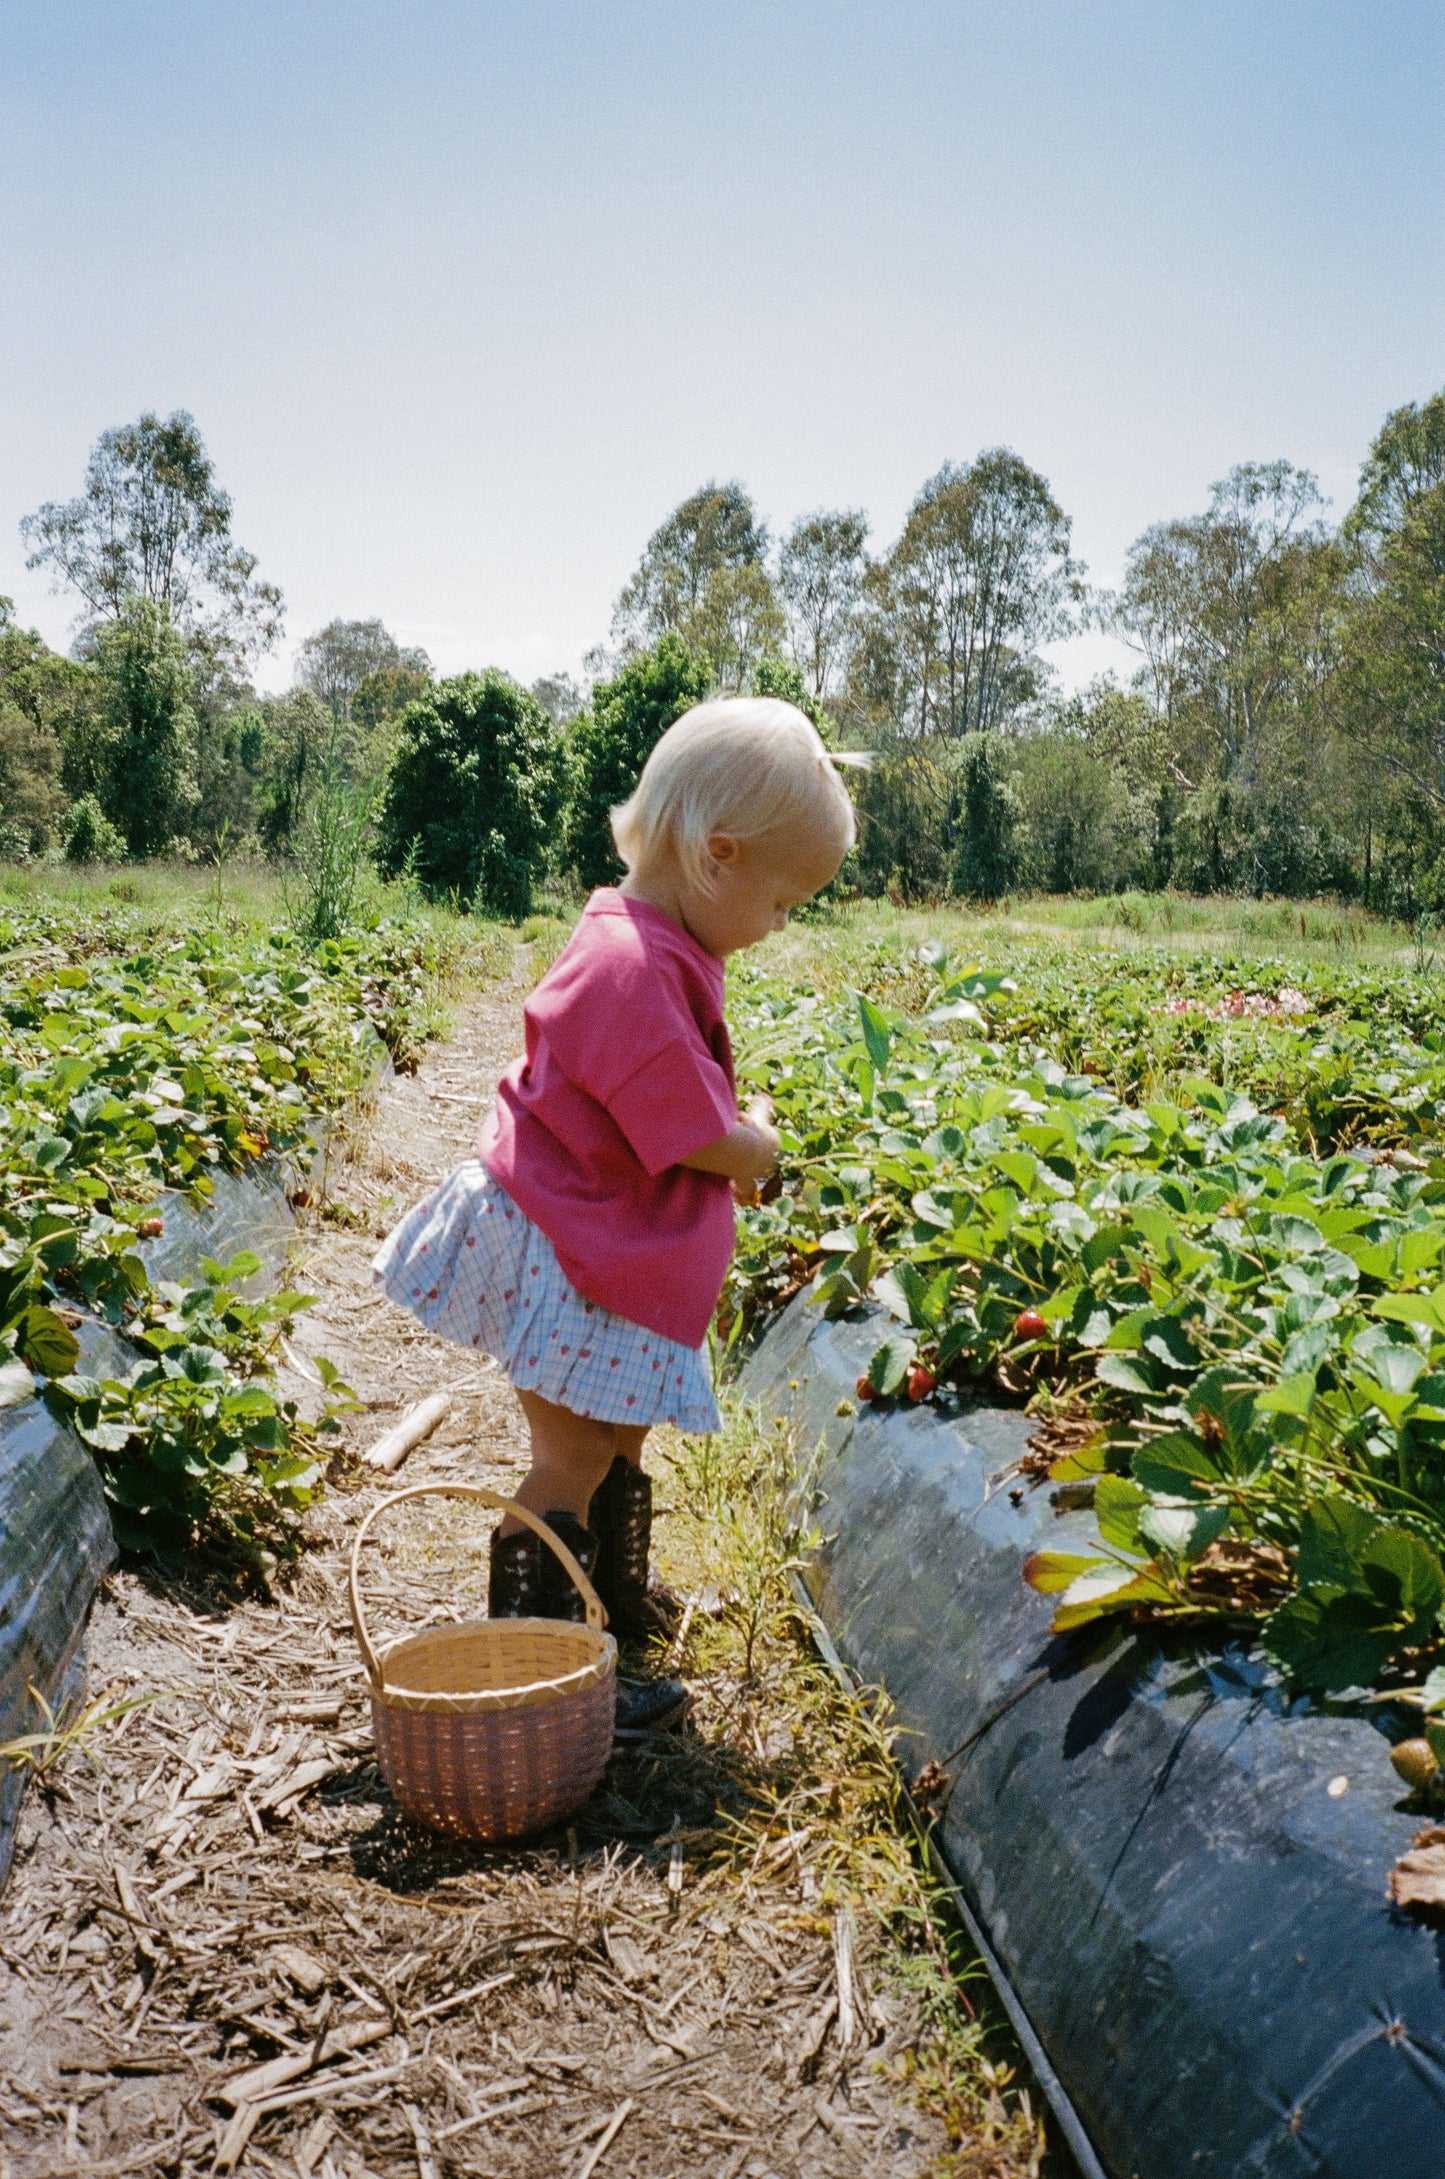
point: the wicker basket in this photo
(498, 1727)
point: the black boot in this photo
(514, 1584)
(621, 1515)
(650, 1706)
(561, 1598)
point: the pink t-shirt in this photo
(627, 1069)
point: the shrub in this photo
(91, 837)
(612, 740)
(32, 799)
(1078, 832)
(473, 793)
(984, 863)
(149, 782)
(905, 812)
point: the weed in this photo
(826, 1790)
(41, 1753)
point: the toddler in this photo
(585, 1246)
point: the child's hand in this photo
(745, 1155)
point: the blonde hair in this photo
(751, 766)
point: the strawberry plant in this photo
(1253, 1317)
(135, 1058)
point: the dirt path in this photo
(234, 1884)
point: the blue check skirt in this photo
(470, 1266)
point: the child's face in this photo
(755, 886)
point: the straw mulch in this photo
(224, 1949)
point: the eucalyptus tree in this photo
(704, 579)
(822, 563)
(715, 528)
(152, 522)
(1389, 689)
(980, 579)
(1233, 613)
(334, 662)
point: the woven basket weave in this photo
(498, 1727)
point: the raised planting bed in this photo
(56, 1538)
(161, 1108)
(1181, 1868)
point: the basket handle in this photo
(596, 1617)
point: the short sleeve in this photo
(677, 1102)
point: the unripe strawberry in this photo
(1414, 1761)
(1028, 1324)
(150, 1229)
(921, 1382)
(864, 1389)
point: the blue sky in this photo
(466, 297)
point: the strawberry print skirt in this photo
(470, 1266)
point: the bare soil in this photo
(222, 1879)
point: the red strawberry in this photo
(150, 1229)
(921, 1382)
(1028, 1324)
(864, 1389)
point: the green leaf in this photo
(1334, 1534)
(1185, 1532)
(1413, 1308)
(1173, 1465)
(251, 1400)
(876, 1035)
(47, 1342)
(1292, 1396)
(1404, 1574)
(1331, 1639)
(1167, 1339)
(890, 1365)
(1125, 1376)
(888, 1289)
(1118, 1503)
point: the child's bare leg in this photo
(630, 1441)
(570, 1456)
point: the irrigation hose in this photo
(1057, 2096)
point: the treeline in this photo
(1284, 731)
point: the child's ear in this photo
(724, 848)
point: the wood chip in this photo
(296, 1782)
(628, 1957)
(340, 2085)
(843, 1969)
(462, 1997)
(339, 2042)
(426, 2169)
(614, 2127)
(303, 1968)
(132, 1906)
(416, 1424)
(811, 2040)
(313, 2143)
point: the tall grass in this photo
(829, 947)
(239, 891)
